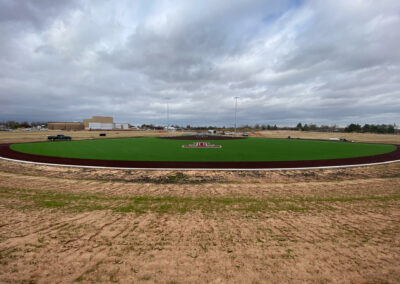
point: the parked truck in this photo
(59, 137)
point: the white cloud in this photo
(289, 61)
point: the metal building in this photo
(121, 126)
(65, 126)
(98, 119)
(100, 126)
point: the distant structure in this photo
(94, 123)
(121, 126)
(99, 123)
(65, 126)
(171, 128)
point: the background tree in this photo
(353, 128)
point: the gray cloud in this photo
(332, 62)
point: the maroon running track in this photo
(6, 152)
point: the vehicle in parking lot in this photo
(59, 137)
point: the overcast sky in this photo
(324, 62)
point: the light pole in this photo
(167, 116)
(236, 98)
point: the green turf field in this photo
(249, 149)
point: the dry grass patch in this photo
(28, 136)
(357, 137)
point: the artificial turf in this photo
(249, 149)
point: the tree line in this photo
(11, 124)
(367, 128)
(371, 128)
(353, 127)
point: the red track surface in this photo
(6, 152)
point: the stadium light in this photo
(236, 98)
(168, 115)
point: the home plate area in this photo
(201, 145)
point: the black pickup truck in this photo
(59, 137)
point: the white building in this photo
(100, 126)
(170, 128)
(121, 125)
(107, 126)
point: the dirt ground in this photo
(357, 137)
(27, 136)
(63, 225)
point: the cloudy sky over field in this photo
(324, 62)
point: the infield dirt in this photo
(63, 225)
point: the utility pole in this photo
(236, 98)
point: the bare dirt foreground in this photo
(63, 225)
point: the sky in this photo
(288, 61)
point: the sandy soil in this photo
(28, 136)
(63, 225)
(357, 137)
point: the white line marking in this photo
(203, 169)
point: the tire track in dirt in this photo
(100, 230)
(296, 234)
(191, 238)
(10, 224)
(227, 246)
(98, 253)
(14, 241)
(73, 250)
(96, 258)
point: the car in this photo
(245, 134)
(59, 137)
